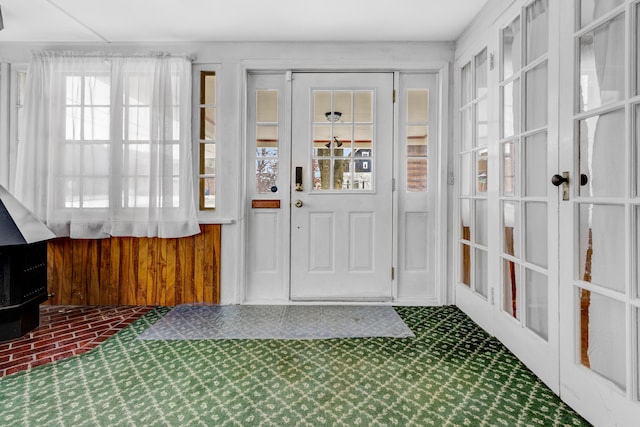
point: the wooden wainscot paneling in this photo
(136, 271)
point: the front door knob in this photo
(298, 203)
(558, 180)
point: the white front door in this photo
(341, 172)
(600, 217)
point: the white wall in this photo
(234, 60)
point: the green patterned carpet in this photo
(451, 374)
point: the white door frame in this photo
(441, 68)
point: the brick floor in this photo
(65, 331)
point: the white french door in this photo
(600, 215)
(341, 172)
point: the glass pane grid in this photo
(207, 138)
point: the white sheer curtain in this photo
(107, 147)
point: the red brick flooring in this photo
(65, 331)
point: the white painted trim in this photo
(442, 196)
(6, 130)
(395, 166)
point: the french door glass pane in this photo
(537, 25)
(511, 58)
(465, 174)
(482, 123)
(511, 232)
(603, 155)
(636, 167)
(481, 171)
(509, 160)
(537, 300)
(602, 245)
(603, 336)
(510, 284)
(467, 126)
(363, 106)
(535, 219)
(602, 73)
(465, 77)
(481, 285)
(511, 108)
(536, 97)
(481, 73)
(266, 106)
(481, 222)
(465, 265)
(590, 10)
(535, 165)
(465, 219)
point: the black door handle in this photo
(558, 180)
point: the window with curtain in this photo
(107, 145)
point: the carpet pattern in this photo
(451, 374)
(291, 322)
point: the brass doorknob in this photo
(298, 203)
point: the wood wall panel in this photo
(135, 271)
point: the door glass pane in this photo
(481, 281)
(208, 124)
(481, 73)
(602, 245)
(537, 300)
(511, 49)
(508, 168)
(511, 231)
(363, 106)
(481, 222)
(536, 97)
(481, 171)
(363, 135)
(510, 283)
(467, 126)
(465, 81)
(603, 336)
(537, 25)
(207, 193)
(590, 10)
(207, 159)
(321, 105)
(636, 167)
(417, 139)
(342, 103)
(208, 85)
(511, 108)
(535, 218)
(465, 219)
(266, 106)
(418, 105)
(602, 64)
(535, 174)
(482, 124)
(417, 170)
(465, 174)
(637, 56)
(603, 155)
(322, 140)
(321, 174)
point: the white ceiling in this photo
(235, 20)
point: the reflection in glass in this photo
(590, 10)
(508, 168)
(363, 106)
(417, 170)
(267, 137)
(603, 155)
(207, 159)
(602, 68)
(481, 222)
(510, 283)
(266, 106)
(418, 105)
(266, 174)
(535, 165)
(511, 224)
(537, 301)
(603, 336)
(321, 105)
(537, 25)
(511, 49)
(322, 174)
(363, 136)
(342, 100)
(535, 228)
(322, 140)
(481, 282)
(602, 245)
(511, 108)
(536, 97)
(481, 73)
(481, 171)
(465, 265)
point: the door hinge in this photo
(394, 96)
(393, 273)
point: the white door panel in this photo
(341, 217)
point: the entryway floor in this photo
(65, 331)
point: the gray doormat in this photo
(288, 322)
